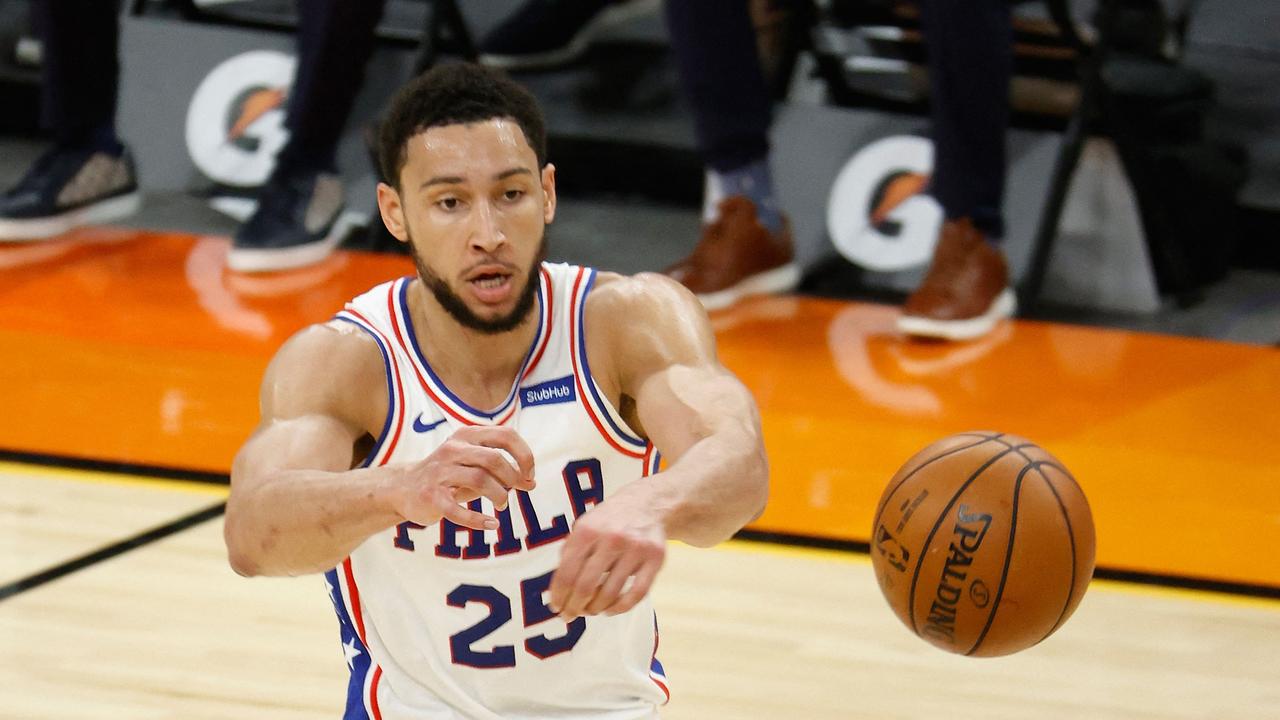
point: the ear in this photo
(392, 211)
(549, 191)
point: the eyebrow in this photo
(455, 180)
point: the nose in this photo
(486, 234)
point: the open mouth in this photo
(490, 280)
(490, 284)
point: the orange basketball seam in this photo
(884, 502)
(946, 510)
(1008, 557)
(1036, 465)
(1071, 538)
(1071, 535)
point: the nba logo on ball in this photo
(983, 544)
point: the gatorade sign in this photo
(235, 123)
(877, 214)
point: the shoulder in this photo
(642, 298)
(335, 369)
(328, 349)
(647, 320)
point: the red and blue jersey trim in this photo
(547, 301)
(652, 460)
(596, 407)
(394, 423)
(440, 394)
(366, 675)
(656, 673)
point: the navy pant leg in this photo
(715, 49)
(81, 66)
(970, 48)
(335, 40)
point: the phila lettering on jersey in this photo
(447, 622)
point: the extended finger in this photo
(587, 582)
(504, 438)
(576, 549)
(607, 595)
(471, 482)
(491, 461)
(468, 518)
(643, 580)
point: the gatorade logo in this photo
(550, 392)
(878, 216)
(235, 123)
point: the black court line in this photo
(810, 541)
(1184, 582)
(110, 466)
(1187, 582)
(144, 538)
(861, 547)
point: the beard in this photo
(457, 308)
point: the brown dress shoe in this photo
(737, 257)
(966, 291)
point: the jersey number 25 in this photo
(535, 611)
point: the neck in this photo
(479, 367)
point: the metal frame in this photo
(1092, 88)
(445, 30)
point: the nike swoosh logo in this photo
(419, 427)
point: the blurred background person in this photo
(88, 176)
(746, 246)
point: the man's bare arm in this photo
(697, 413)
(296, 504)
(702, 419)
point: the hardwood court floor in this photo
(749, 631)
(140, 348)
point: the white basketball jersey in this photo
(447, 622)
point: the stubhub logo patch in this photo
(559, 390)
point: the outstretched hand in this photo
(472, 463)
(611, 558)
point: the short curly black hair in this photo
(451, 94)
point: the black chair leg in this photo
(1060, 182)
(1092, 88)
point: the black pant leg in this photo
(81, 66)
(715, 48)
(970, 47)
(335, 40)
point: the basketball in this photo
(983, 544)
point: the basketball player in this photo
(471, 455)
